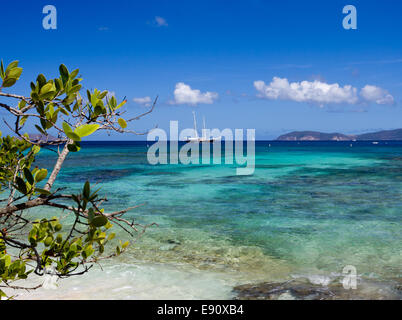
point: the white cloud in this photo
(145, 101)
(306, 91)
(320, 92)
(376, 94)
(183, 94)
(160, 22)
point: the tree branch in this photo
(58, 165)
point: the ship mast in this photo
(204, 132)
(195, 125)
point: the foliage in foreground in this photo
(34, 245)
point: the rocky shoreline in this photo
(302, 289)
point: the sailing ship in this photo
(203, 138)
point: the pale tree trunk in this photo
(57, 166)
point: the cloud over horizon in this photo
(144, 101)
(183, 94)
(376, 94)
(319, 92)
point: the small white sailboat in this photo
(375, 142)
(203, 138)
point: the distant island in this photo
(42, 139)
(320, 136)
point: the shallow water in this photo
(310, 208)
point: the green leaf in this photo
(74, 73)
(69, 132)
(99, 221)
(2, 72)
(7, 261)
(43, 191)
(69, 99)
(86, 190)
(94, 99)
(44, 123)
(28, 175)
(59, 84)
(12, 65)
(32, 236)
(86, 129)
(41, 79)
(59, 238)
(14, 73)
(2, 294)
(91, 215)
(63, 70)
(23, 120)
(35, 96)
(64, 111)
(88, 251)
(73, 136)
(40, 175)
(113, 102)
(9, 82)
(125, 244)
(21, 186)
(75, 89)
(35, 149)
(98, 110)
(75, 147)
(46, 88)
(22, 104)
(103, 94)
(66, 127)
(122, 123)
(40, 129)
(121, 104)
(48, 241)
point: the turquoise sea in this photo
(309, 210)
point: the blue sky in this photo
(141, 49)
